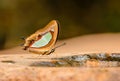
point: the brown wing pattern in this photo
(51, 27)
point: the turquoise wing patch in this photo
(43, 41)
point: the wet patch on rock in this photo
(82, 60)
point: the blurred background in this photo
(20, 18)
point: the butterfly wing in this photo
(43, 41)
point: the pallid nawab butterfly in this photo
(43, 40)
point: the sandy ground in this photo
(98, 43)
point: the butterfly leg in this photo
(53, 50)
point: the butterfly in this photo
(43, 40)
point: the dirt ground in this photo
(15, 62)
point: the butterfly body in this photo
(43, 40)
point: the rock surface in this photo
(19, 65)
(59, 74)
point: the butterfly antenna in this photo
(23, 38)
(60, 45)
